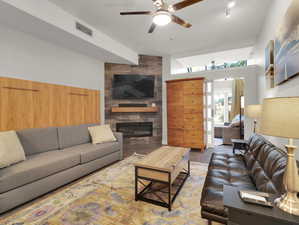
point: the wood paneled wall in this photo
(27, 104)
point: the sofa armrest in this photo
(119, 137)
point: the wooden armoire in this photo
(185, 113)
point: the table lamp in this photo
(280, 118)
(254, 112)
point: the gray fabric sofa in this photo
(55, 156)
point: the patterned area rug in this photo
(107, 198)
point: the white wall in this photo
(47, 20)
(290, 88)
(249, 73)
(26, 57)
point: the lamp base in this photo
(289, 203)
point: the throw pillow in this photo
(101, 134)
(11, 149)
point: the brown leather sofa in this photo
(261, 168)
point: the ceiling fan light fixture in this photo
(162, 18)
(231, 4)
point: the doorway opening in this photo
(224, 110)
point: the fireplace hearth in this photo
(135, 129)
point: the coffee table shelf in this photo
(162, 175)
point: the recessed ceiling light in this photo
(231, 4)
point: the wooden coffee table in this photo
(162, 174)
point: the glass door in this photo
(209, 113)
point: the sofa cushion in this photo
(224, 169)
(266, 164)
(89, 152)
(39, 140)
(74, 135)
(36, 167)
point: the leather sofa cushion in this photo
(224, 169)
(36, 167)
(266, 164)
(74, 135)
(89, 152)
(38, 140)
(255, 144)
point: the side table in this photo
(239, 144)
(241, 213)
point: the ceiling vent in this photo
(84, 29)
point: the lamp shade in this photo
(253, 111)
(280, 117)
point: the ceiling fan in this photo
(164, 13)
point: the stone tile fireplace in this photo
(138, 127)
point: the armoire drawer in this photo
(175, 99)
(192, 125)
(193, 100)
(193, 117)
(192, 87)
(192, 134)
(175, 110)
(175, 137)
(175, 123)
(193, 84)
(193, 109)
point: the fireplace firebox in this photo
(135, 129)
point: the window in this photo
(222, 105)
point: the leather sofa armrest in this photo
(119, 137)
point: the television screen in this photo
(133, 86)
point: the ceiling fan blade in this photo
(181, 22)
(136, 13)
(184, 4)
(152, 28)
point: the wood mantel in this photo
(134, 109)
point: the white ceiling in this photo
(211, 30)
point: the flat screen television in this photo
(133, 86)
